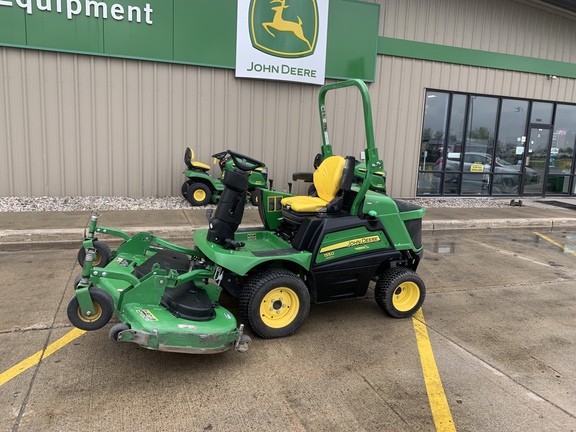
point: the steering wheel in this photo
(245, 163)
(219, 155)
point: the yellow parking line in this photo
(561, 246)
(436, 396)
(36, 358)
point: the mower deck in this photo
(154, 327)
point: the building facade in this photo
(469, 98)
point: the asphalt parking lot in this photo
(492, 349)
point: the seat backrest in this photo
(328, 176)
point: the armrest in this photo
(303, 177)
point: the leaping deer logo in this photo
(280, 24)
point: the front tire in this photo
(198, 194)
(103, 310)
(400, 292)
(275, 303)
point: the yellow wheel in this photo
(275, 303)
(279, 307)
(400, 292)
(198, 194)
(406, 296)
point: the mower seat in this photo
(327, 180)
(199, 166)
(192, 164)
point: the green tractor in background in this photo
(200, 188)
(310, 249)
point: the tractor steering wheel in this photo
(220, 155)
(245, 163)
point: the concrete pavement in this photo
(499, 320)
(30, 229)
(499, 316)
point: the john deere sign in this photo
(300, 40)
(282, 39)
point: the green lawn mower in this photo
(309, 249)
(200, 188)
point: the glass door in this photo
(536, 161)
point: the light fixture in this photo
(551, 77)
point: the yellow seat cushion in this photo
(305, 204)
(200, 165)
(327, 183)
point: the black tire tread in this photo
(190, 193)
(98, 296)
(387, 284)
(102, 249)
(115, 330)
(252, 288)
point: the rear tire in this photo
(198, 194)
(275, 303)
(400, 292)
(185, 187)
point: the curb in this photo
(498, 224)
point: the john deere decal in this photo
(282, 39)
(279, 30)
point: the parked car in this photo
(475, 162)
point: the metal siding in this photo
(494, 25)
(6, 167)
(83, 125)
(18, 149)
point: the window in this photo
(561, 162)
(510, 147)
(541, 113)
(478, 145)
(434, 129)
(433, 140)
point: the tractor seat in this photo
(198, 165)
(191, 163)
(327, 180)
